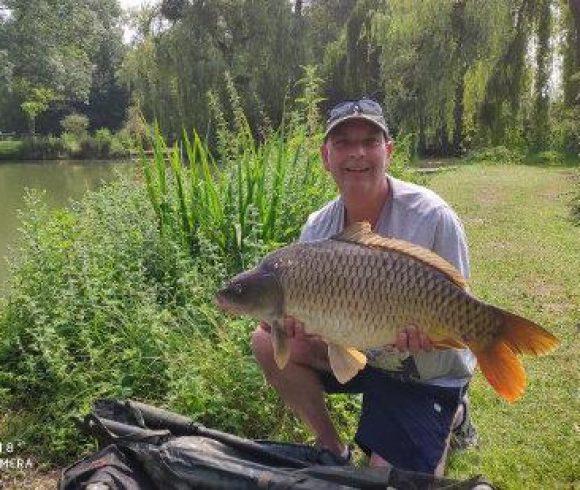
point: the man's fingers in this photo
(425, 342)
(402, 343)
(414, 339)
(290, 326)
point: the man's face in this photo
(357, 154)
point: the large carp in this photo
(357, 290)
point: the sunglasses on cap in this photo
(362, 106)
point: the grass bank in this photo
(131, 315)
(524, 256)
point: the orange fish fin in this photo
(503, 370)
(281, 344)
(362, 234)
(498, 361)
(345, 362)
(448, 343)
(524, 336)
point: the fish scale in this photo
(358, 290)
(366, 294)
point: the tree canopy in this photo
(456, 74)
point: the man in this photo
(412, 394)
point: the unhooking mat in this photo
(143, 447)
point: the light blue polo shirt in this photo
(418, 215)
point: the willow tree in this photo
(429, 51)
(257, 42)
(540, 122)
(571, 62)
(500, 116)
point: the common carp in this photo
(357, 290)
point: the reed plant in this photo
(261, 198)
(248, 196)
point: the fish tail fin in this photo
(524, 336)
(502, 369)
(498, 360)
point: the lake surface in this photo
(62, 181)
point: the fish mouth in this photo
(227, 306)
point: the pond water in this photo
(62, 181)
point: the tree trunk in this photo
(458, 23)
(543, 62)
(298, 8)
(572, 87)
(443, 135)
(458, 110)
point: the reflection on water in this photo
(62, 181)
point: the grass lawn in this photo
(525, 257)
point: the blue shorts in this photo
(404, 422)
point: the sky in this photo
(125, 4)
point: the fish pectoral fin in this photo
(345, 362)
(281, 344)
(448, 343)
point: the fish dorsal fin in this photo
(361, 233)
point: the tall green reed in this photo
(239, 205)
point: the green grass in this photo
(524, 256)
(131, 315)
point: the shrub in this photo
(129, 314)
(71, 144)
(549, 157)
(76, 124)
(103, 140)
(118, 149)
(497, 155)
(565, 130)
(41, 148)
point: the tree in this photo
(179, 58)
(36, 102)
(53, 44)
(540, 117)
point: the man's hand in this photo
(413, 340)
(294, 329)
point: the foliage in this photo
(565, 130)
(10, 150)
(257, 43)
(36, 101)
(70, 49)
(253, 203)
(575, 208)
(458, 74)
(42, 148)
(102, 144)
(499, 155)
(76, 124)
